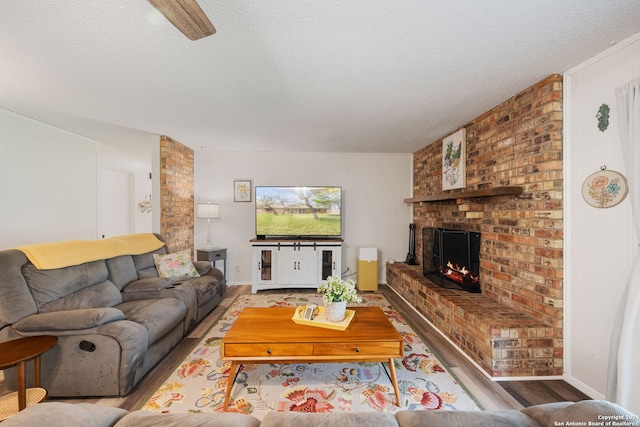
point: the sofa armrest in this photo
(211, 271)
(68, 320)
(149, 284)
(206, 269)
(585, 412)
(203, 267)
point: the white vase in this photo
(335, 311)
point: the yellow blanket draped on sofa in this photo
(46, 256)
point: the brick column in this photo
(176, 194)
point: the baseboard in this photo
(538, 378)
(588, 390)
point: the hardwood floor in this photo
(491, 395)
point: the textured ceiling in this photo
(292, 75)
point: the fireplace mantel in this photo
(487, 192)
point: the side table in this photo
(17, 353)
(213, 255)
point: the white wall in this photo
(49, 182)
(137, 164)
(599, 243)
(373, 185)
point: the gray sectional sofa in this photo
(114, 318)
(588, 412)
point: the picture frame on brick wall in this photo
(454, 161)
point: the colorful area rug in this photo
(199, 383)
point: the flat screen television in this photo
(298, 212)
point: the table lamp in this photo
(209, 211)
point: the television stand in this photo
(300, 263)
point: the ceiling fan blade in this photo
(186, 16)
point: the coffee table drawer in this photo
(373, 348)
(267, 350)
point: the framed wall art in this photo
(454, 161)
(242, 190)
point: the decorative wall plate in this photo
(605, 188)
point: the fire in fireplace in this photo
(451, 258)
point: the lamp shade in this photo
(208, 210)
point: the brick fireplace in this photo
(451, 258)
(514, 327)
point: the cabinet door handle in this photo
(268, 351)
(357, 349)
(259, 266)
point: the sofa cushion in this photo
(203, 267)
(147, 272)
(122, 270)
(145, 266)
(59, 414)
(205, 286)
(103, 294)
(48, 285)
(158, 316)
(221, 419)
(68, 320)
(104, 415)
(464, 418)
(542, 413)
(79, 286)
(333, 419)
(175, 266)
(148, 284)
(593, 412)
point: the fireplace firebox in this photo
(451, 258)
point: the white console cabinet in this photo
(294, 263)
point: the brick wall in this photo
(517, 143)
(176, 191)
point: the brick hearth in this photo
(500, 340)
(514, 328)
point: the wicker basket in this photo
(9, 403)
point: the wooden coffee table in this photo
(268, 335)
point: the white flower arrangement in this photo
(337, 289)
